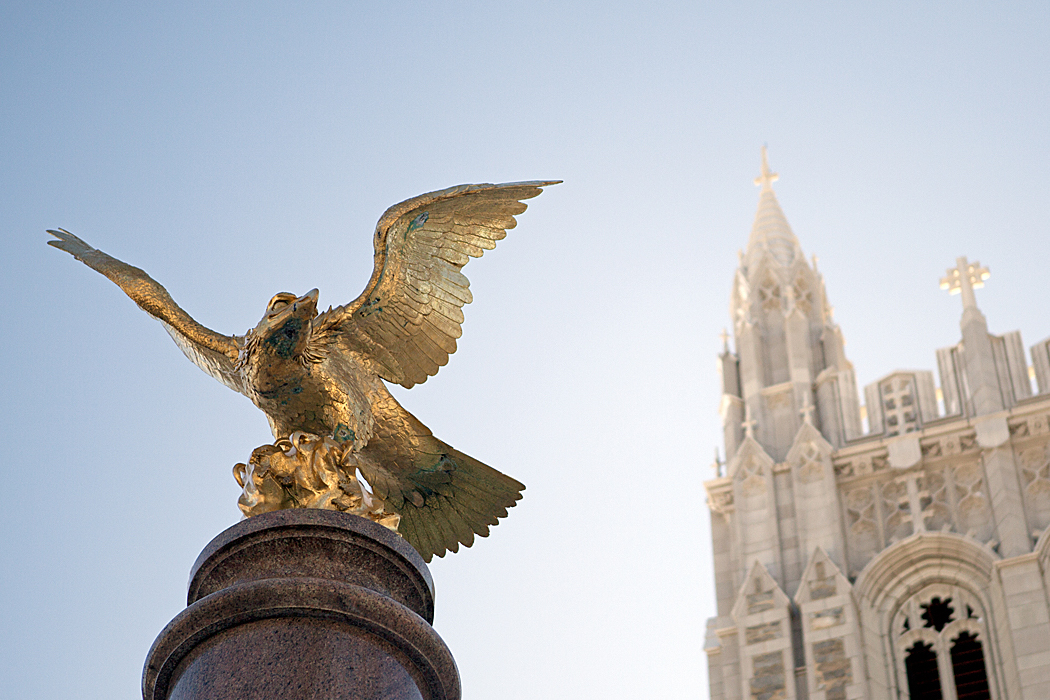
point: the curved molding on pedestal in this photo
(359, 608)
(313, 543)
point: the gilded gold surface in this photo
(308, 471)
(343, 441)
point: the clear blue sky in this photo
(235, 150)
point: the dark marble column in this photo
(299, 604)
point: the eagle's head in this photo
(285, 331)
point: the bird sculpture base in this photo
(299, 604)
(308, 471)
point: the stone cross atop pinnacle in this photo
(748, 423)
(770, 233)
(964, 278)
(724, 337)
(767, 176)
(807, 410)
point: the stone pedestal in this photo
(302, 604)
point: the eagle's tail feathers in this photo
(471, 501)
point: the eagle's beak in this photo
(303, 307)
(308, 300)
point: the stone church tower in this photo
(908, 557)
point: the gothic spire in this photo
(789, 369)
(770, 233)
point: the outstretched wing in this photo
(213, 352)
(407, 320)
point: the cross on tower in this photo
(768, 177)
(807, 410)
(749, 423)
(914, 497)
(965, 277)
(724, 337)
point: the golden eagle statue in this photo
(343, 442)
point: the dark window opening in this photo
(971, 680)
(924, 680)
(938, 613)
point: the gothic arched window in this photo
(924, 680)
(971, 681)
(938, 639)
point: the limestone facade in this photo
(899, 550)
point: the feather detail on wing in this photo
(447, 501)
(445, 498)
(406, 322)
(213, 352)
(217, 364)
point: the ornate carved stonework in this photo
(1019, 429)
(720, 501)
(1035, 478)
(931, 449)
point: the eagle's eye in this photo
(279, 301)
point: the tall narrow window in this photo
(971, 679)
(924, 680)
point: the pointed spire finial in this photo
(770, 234)
(768, 177)
(965, 277)
(724, 336)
